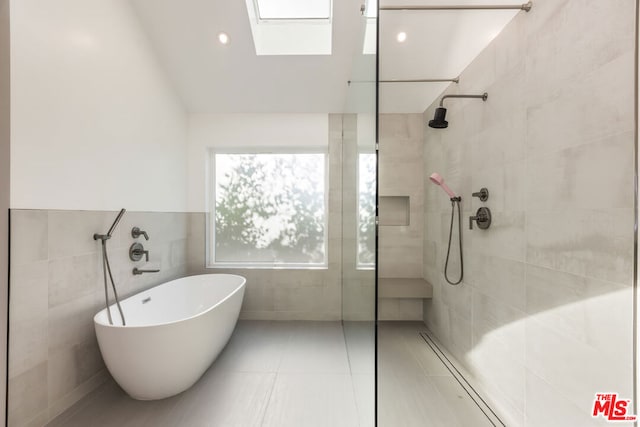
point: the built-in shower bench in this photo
(404, 288)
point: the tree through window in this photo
(269, 209)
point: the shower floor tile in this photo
(300, 374)
(414, 387)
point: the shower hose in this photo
(454, 201)
(107, 268)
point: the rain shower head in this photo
(438, 121)
(439, 180)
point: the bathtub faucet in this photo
(137, 271)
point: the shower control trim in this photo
(136, 252)
(482, 219)
(483, 194)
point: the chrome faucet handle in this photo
(136, 232)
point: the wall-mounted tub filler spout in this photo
(106, 268)
(137, 271)
(439, 121)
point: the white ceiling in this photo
(212, 78)
(440, 44)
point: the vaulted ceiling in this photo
(215, 78)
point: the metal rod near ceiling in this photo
(526, 7)
(454, 80)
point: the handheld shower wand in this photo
(106, 268)
(107, 236)
(437, 179)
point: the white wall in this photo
(246, 130)
(95, 124)
(4, 191)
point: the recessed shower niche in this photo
(394, 210)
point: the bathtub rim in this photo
(114, 306)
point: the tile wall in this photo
(544, 316)
(400, 172)
(56, 287)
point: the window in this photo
(291, 27)
(268, 210)
(366, 210)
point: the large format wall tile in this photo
(57, 287)
(29, 317)
(71, 232)
(400, 247)
(592, 243)
(28, 396)
(29, 238)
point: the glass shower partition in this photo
(359, 185)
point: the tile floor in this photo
(300, 374)
(414, 386)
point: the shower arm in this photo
(484, 97)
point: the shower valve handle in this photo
(141, 252)
(136, 232)
(482, 218)
(483, 194)
(137, 251)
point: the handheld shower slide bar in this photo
(526, 7)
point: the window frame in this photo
(297, 19)
(210, 228)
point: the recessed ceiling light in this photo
(223, 38)
(401, 37)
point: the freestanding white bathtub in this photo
(173, 333)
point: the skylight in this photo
(291, 27)
(293, 9)
(371, 13)
(371, 9)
